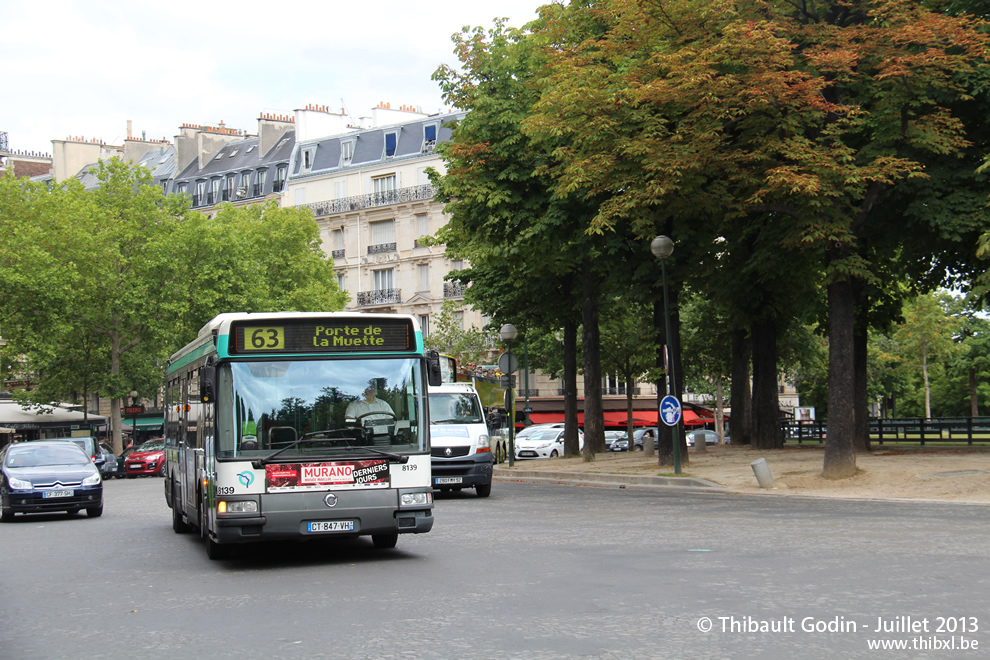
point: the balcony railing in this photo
(337, 254)
(453, 289)
(381, 247)
(358, 202)
(378, 297)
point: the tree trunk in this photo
(570, 389)
(719, 411)
(115, 352)
(840, 454)
(740, 394)
(928, 386)
(974, 408)
(861, 404)
(766, 402)
(594, 420)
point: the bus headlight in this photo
(248, 506)
(415, 499)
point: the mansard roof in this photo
(369, 145)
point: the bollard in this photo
(762, 472)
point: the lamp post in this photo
(134, 421)
(508, 332)
(662, 247)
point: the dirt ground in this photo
(913, 473)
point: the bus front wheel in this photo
(385, 541)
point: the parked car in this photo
(612, 436)
(90, 447)
(543, 441)
(622, 444)
(48, 475)
(710, 437)
(147, 459)
(109, 468)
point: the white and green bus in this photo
(300, 425)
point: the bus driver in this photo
(370, 404)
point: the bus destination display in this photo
(328, 335)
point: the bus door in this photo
(190, 453)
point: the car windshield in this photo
(303, 408)
(454, 408)
(152, 445)
(543, 434)
(46, 455)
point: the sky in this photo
(83, 69)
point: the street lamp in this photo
(508, 332)
(662, 247)
(134, 422)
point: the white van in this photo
(461, 446)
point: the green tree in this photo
(449, 336)
(101, 286)
(810, 112)
(924, 337)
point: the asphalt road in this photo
(534, 571)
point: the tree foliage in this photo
(101, 286)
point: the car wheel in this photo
(385, 541)
(553, 454)
(215, 550)
(94, 511)
(161, 470)
(639, 448)
(483, 490)
(6, 514)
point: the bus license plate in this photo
(330, 526)
(56, 493)
(448, 480)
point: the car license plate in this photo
(330, 526)
(134, 466)
(56, 493)
(527, 453)
(449, 480)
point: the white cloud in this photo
(85, 68)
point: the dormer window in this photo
(390, 141)
(429, 137)
(307, 158)
(346, 152)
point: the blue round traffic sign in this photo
(670, 410)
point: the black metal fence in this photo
(909, 430)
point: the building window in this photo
(340, 189)
(340, 281)
(382, 236)
(459, 320)
(337, 239)
(346, 151)
(279, 183)
(384, 279)
(200, 198)
(182, 188)
(422, 224)
(423, 272)
(390, 142)
(307, 158)
(424, 324)
(457, 264)
(228, 188)
(383, 184)
(245, 187)
(214, 196)
(429, 137)
(259, 186)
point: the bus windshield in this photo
(314, 408)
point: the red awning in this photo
(616, 418)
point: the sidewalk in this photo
(957, 474)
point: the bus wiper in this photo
(395, 458)
(260, 463)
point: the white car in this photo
(710, 437)
(543, 441)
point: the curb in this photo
(597, 478)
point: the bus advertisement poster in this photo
(319, 476)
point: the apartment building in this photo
(366, 182)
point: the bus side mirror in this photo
(433, 375)
(207, 387)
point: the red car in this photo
(146, 459)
